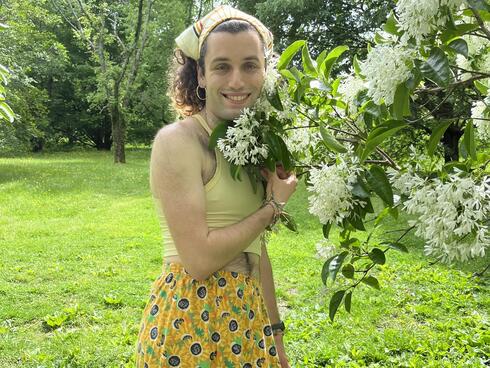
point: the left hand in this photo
(281, 353)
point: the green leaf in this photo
(401, 102)
(377, 256)
(460, 46)
(481, 87)
(379, 183)
(348, 271)
(330, 141)
(396, 246)
(391, 25)
(384, 212)
(334, 303)
(326, 230)
(479, 5)
(469, 140)
(331, 58)
(325, 269)
(285, 156)
(321, 57)
(335, 265)
(371, 281)
(348, 301)
(436, 68)
(289, 222)
(216, 134)
(355, 64)
(6, 112)
(289, 53)
(308, 65)
(355, 220)
(275, 100)
(360, 189)
(379, 134)
(436, 135)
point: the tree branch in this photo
(480, 21)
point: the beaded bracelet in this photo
(277, 207)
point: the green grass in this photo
(80, 245)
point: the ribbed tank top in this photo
(228, 201)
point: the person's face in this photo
(234, 73)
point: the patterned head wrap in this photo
(190, 41)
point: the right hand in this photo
(281, 183)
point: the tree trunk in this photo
(118, 129)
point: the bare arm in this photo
(176, 180)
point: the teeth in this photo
(237, 98)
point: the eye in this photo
(251, 66)
(221, 67)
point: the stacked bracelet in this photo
(278, 208)
(278, 328)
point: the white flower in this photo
(418, 18)
(271, 74)
(350, 85)
(325, 249)
(478, 115)
(385, 68)
(241, 144)
(450, 215)
(331, 187)
(302, 137)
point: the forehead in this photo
(234, 46)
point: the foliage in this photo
(407, 83)
(328, 23)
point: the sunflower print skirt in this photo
(218, 322)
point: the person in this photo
(214, 303)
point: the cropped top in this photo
(228, 201)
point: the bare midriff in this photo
(246, 263)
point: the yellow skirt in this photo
(219, 322)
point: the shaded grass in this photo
(80, 243)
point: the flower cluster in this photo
(480, 113)
(324, 249)
(385, 68)
(242, 145)
(450, 215)
(331, 187)
(301, 138)
(418, 18)
(349, 87)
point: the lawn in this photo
(80, 245)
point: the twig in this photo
(480, 21)
(470, 71)
(479, 274)
(453, 85)
(435, 109)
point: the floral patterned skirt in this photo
(219, 322)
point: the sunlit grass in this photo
(80, 245)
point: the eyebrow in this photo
(220, 59)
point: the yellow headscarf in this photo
(190, 41)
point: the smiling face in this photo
(234, 73)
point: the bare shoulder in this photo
(180, 136)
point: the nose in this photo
(236, 81)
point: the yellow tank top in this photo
(228, 201)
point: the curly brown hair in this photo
(183, 74)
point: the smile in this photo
(235, 98)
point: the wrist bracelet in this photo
(278, 328)
(277, 207)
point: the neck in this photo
(212, 120)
